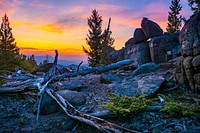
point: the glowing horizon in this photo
(41, 26)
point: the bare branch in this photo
(100, 124)
(79, 66)
(95, 69)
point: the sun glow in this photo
(40, 27)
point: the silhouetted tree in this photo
(98, 42)
(107, 44)
(94, 39)
(46, 61)
(32, 60)
(174, 18)
(27, 64)
(195, 5)
(9, 52)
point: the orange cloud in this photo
(53, 28)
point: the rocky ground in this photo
(17, 111)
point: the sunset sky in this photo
(41, 26)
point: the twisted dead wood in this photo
(44, 85)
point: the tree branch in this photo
(95, 69)
(43, 84)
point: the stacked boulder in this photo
(148, 44)
(165, 47)
(188, 67)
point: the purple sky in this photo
(40, 26)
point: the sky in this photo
(41, 26)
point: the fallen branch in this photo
(44, 84)
(47, 79)
(22, 88)
(100, 69)
(100, 124)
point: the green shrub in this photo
(176, 109)
(125, 106)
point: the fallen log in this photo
(44, 84)
(22, 88)
(100, 124)
(100, 69)
(36, 81)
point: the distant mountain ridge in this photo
(51, 59)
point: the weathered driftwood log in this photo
(17, 89)
(100, 124)
(100, 69)
(29, 82)
(44, 84)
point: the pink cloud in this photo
(9, 7)
(157, 11)
(109, 8)
(41, 5)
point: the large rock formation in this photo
(130, 41)
(117, 55)
(139, 36)
(148, 85)
(188, 67)
(165, 47)
(160, 48)
(150, 28)
(139, 53)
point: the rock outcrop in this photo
(49, 106)
(148, 86)
(139, 36)
(165, 47)
(145, 68)
(139, 53)
(188, 67)
(160, 48)
(109, 77)
(150, 28)
(130, 41)
(117, 55)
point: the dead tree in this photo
(45, 84)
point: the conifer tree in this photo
(99, 43)
(94, 39)
(32, 60)
(9, 52)
(107, 44)
(195, 5)
(46, 60)
(174, 18)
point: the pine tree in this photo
(107, 44)
(174, 18)
(9, 52)
(32, 61)
(94, 39)
(100, 43)
(195, 5)
(46, 61)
